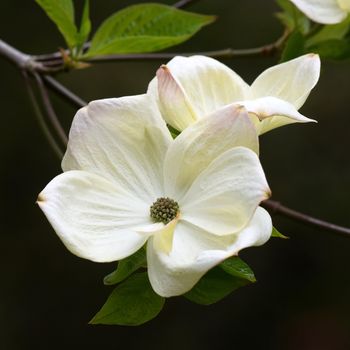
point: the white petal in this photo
(291, 81)
(270, 112)
(201, 143)
(322, 11)
(93, 217)
(192, 87)
(224, 197)
(256, 233)
(193, 253)
(163, 237)
(122, 139)
(173, 102)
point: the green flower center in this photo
(164, 210)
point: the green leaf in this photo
(61, 12)
(285, 5)
(333, 49)
(126, 267)
(214, 286)
(295, 46)
(234, 266)
(145, 28)
(286, 16)
(330, 32)
(277, 234)
(131, 303)
(85, 25)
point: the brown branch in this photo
(277, 208)
(184, 3)
(222, 54)
(50, 111)
(23, 61)
(40, 118)
(54, 61)
(62, 91)
(264, 50)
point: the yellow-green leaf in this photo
(145, 28)
(276, 233)
(85, 25)
(62, 14)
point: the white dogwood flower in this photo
(189, 88)
(194, 200)
(324, 11)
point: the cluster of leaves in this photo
(134, 29)
(133, 301)
(329, 41)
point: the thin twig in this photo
(275, 207)
(58, 62)
(20, 59)
(48, 56)
(40, 118)
(50, 111)
(62, 91)
(184, 3)
(265, 50)
(24, 61)
(229, 53)
(57, 54)
(222, 54)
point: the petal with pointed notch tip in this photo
(94, 218)
(290, 81)
(269, 113)
(194, 252)
(224, 197)
(202, 142)
(190, 88)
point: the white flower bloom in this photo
(324, 11)
(189, 88)
(124, 173)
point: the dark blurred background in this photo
(302, 298)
